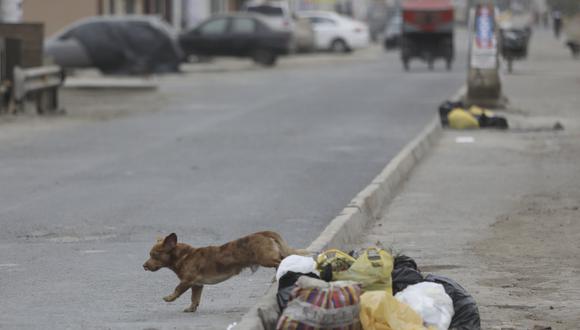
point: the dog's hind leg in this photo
(195, 298)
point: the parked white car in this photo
(337, 33)
(276, 13)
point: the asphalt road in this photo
(218, 152)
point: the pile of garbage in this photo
(456, 115)
(371, 290)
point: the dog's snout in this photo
(145, 266)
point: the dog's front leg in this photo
(195, 297)
(179, 290)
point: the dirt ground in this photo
(533, 248)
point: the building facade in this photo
(53, 16)
(182, 14)
(56, 14)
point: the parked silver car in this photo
(278, 15)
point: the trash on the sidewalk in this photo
(297, 264)
(464, 139)
(316, 304)
(286, 285)
(430, 301)
(333, 261)
(405, 273)
(289, 270)
(445, 108)
(457, 116)
(466, 315)
(381, 311)
(420, 302)
(372, 268)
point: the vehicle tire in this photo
(406, 64)
(293, 47)
(264, 57)
(339, 46)
(510, 65)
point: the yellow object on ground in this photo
(339, 260)
(477, 111)
(381, 311)
(461, 119)
(372, 268)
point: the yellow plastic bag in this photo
(381, 311)
(461, 119)
(478, 111)
(338, 260)
(372, 269)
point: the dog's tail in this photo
(285, 250)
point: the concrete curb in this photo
(358, 215)
(115, 83)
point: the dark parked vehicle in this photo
(514, 44)
(117, 45)
(427, 32)
(393, 32)
(239, 35)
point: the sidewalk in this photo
(501, 215)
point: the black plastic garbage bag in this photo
(445, 108)
(286, 285)
(492, 122)
(466, 315)
(405, 273)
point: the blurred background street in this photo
(165, 130)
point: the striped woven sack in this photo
(316, 304)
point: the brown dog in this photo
(196, 267)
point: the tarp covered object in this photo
(128, 46)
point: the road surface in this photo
(217, 152)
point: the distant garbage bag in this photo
(445, 108)
(466, 316)
(455, 115)
(381, 311)
(316, 304)
(461, 119)
(372, 268)
(431, 302)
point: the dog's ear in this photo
(170, 242)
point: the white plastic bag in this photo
(431, 302)
(297, 264)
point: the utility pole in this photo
(483, 81)
(10, 11)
